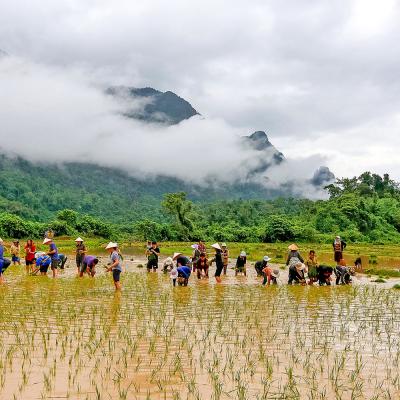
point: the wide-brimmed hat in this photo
(223, 244)
(266, 258)
(275, 273)
(47, 240)
(15, 241)
(242, 254)
(216, 246)
(111, 245)
(194, 246)
(176, 255)
(168, 260)
(337, 237)
(79, 239)
(39, 254)
(1, 240)
(293, 247)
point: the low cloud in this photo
(57, 115)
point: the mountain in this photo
(268, 154)
(38, 191)
(160, 107)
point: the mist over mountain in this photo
(62, 133)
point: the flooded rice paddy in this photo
(78, 339)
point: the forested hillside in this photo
(91, 201)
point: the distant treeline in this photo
(361, 209)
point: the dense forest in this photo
(361, 209)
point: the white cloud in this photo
(310, 73)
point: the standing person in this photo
(195, 255)
(4, 263)
(53, 253)
(260, 265)
(202, 266)
(312, 265)
(218, 261)
(338, 246)
(115, 265)
(152, 258)
(89, 266)
(241, 263)
(225, 256)
(15, 251)
(294, 256)
(30, 250)
(80, 253)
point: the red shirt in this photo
(30, 252)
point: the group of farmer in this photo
(40, 261)
(301, 271)
(179, 266)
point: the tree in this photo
(176, 205)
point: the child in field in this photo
(267, 272)
(116, 264)
(312, 264)
(15, 250)
(174, 274)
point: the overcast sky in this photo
(321, 77)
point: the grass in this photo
(76, 338)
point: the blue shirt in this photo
(184, 272)
(44, 260)
(1, 252)
(55, 255)
(116, 257)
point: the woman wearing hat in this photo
(15, 250)
(293, 256)
(219, 262)
(260, 265)
(225, 256)
(80, 252)
(115, 265)
(297, 273)
(241, 264)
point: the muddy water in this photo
(75, 338)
